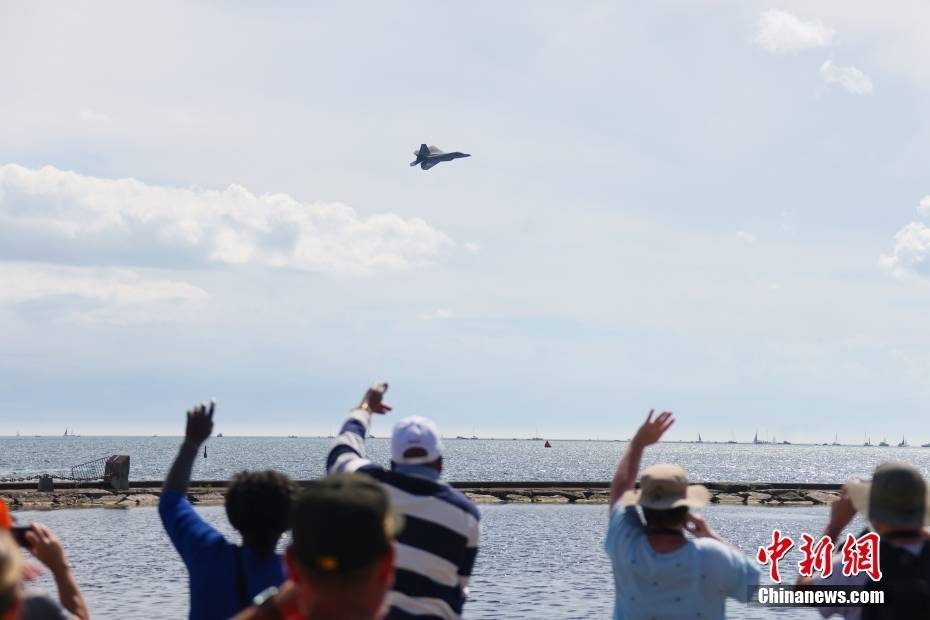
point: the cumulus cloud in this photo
(781, 32)
(96, 294)
(911, 253)
(52, 215)
(850, 78)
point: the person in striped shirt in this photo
(436, 549)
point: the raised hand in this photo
(842, 512)
(628, 468)
(698, 526)
(46, 547)
(652, 430)
(372, 401)
(200, 423)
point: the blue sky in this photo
(719, 208)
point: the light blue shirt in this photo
(694, 581)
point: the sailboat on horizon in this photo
(883, 443)
(867, 442)
(836, 441)
(903, 443)
(699, 439)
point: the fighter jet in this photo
(429, 156)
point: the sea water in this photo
(471, 460)
(535, 561)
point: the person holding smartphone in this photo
(668, 563)
(42, 543)
(11, 578)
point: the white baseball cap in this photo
(415, 432)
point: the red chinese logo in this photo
(860, 555)
(773, 553)
(817, 557)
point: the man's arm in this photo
(842, 512)
(649, 433)
(199, 427)
(700, 529)
(348, 453)
(46, 547)
(185, 527)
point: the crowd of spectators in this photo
(369, 542)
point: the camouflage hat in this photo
(341, 523)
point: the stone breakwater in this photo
(24, 496)
(746, 493)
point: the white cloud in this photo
(850, 78)
(911, 253)
(97, 294)
(924, 205)
(56, 216)
(90, 116)
(473, 248)
(781, 32)
(438, 314)
(745, 236)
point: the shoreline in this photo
(24, 496)
(710, 442)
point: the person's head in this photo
(11, 568)
(416, 441)
(896, 499)
(670, 519)
(665, 496)
(341, 558)
(258, 505)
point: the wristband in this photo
(266, 604)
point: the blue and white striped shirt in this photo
(436, 549)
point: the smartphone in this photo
(19, 535)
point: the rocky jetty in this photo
(745, 493)
(21, 496)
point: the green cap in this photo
(897, 495)
(341, 523)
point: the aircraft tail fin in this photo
(424, 151)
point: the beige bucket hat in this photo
(896, 495)
(665, 486)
